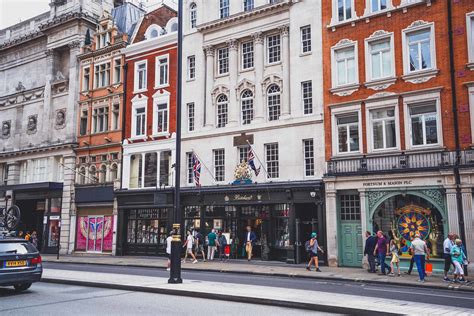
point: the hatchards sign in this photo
(387, 183)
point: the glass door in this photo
(95, 234)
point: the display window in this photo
(148, 227)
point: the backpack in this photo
(307, 246)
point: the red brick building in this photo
(392, 133)
(145, 199)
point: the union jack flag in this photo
(196, 170)
(250, 160)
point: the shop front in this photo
(281, 215)
(144, 221)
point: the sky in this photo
(14, 11)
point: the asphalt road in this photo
(55, 299)
(422, 295)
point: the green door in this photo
(351, 244)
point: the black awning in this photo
(92, 194)
(33, 186)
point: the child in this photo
(395, 258)
(458, 258)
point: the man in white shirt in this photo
(420, 250)
(168, 249)
(189, 244)
(448, 262)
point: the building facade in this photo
(100, 118)
(253, 83)
(395, 135)
(38, 97)
(145, 199)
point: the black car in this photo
(20, 263)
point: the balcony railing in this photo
(399, 163)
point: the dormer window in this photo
(154, 31)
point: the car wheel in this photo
(22, 287)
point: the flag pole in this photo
(258, 158)
(202, 162)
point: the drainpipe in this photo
(457, 176)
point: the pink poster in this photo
(94, 233)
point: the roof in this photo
(126, 17)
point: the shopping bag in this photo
(429, 269)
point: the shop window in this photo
(222, 218)
(165, 161)
(281, 219)
(55, 205)
(350, 208)
(272, 160)
(147, 227)
(192, 217)
(135, 171)
(94, 233)
(402, 216)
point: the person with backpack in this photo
(312, 248)
(199, 242)
(369, 248)
(211, 244)
(221, 243)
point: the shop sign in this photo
(242, 197)
(387, 183)
(55, 218)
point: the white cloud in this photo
(14, 11)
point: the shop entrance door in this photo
(95, 234)
(351, 244)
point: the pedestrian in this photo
(313, 248)
(168, 249)
(381, 251)
(420, 253)
(20, 234)
(27, 235)
(458, 258)
(250, 240)
(412, 259)
(34, 238)
(466, 260)
(222, 243)
(189, 245)
(211, 244)
(369, 248)
(448, 262)
(199, 241)
(395, 257)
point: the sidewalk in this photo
(268, 268)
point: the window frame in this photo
(379, 36)
(193, 15)
(224, 9)
(303, 40)
(158, 65)
(86, 87)
(335, 13)
(225, 61)
(82, 118)
(267, 101)
(305, 159)
(267, 49)
(191, 118)
(115, 117)
(252, 109)
(381, 105)
(191, 68)
(413, 28)
(470, 39)
(117, 78)
(136, 104)
(345, 111)
(267, 161)
(105, 117)
(343, 45)
(246, 7)
(303, 98)
(250, 54)
(224, 115)
(99, 75)
(136, 80)
(369, 10)
(215, 157)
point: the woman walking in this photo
(458, 258)
(395, 258)
(313, 248)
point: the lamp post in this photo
(175, 269)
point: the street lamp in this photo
(175, 269)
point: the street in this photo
(52, 299)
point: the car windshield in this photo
(18, 248)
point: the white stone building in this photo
(254, 75)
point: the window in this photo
(219, 164)
(247, 55)
(161, 118)
(247, 107)
(345, 66)
(424, 124)
(305, 39)
(190, 168)
(243, 153)
(117, 70)
(380, 59)
(92, 174)
(308, 147)
(470, 37)
(348, 133)
(378, 5)
(273, 49)
(114, 156)
(139, 121)
(222, 107)
(113, 172)
(100, 119)
(103, 174)
(103, 157)
(86, 78)
(223, 60)
(161, 75)
(140, 75)
(102, 75)
(115, 116)
(193, 15)
(344, 10)
(191, 121)
(273, 168)
(136, 166)
(150, 172)
(419, 50)
(350, 207)
(248, 5)
(83, 123)
(273, 102)
(191, 67)
(165, 164)
(307, 94)
(81, 179)
(224, 8)
(383, 128)
(104, 39)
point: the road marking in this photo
(418, 293)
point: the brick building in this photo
(392, 131)
(145, 200)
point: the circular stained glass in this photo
(411, 222)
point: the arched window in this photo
(113, 172)
(153, 31)
(246, 101)
(172, 25)
(103, 174)
(222, 107)
(81, 177)
(193, 15)
(273, 102)
(92, 174)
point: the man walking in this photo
(200, 245)
(369, 249)
(168, 249)
(381, 251)
(189, 244)
(211, 242)
(420, 251)
(448, 262)
(250, 239)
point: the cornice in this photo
(103, 50)
(37, 150)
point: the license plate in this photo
(17, 263)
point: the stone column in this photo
(209, 87)
(13, 172)
(285, 51)
(259, 102)
(468, 209)
(363, 223)
(331, 227)
(48, 94)
(67, 204)
(233, 74)
(453, 218)
(73, 90)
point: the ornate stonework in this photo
(32, 125)
(60, 119)
(6, 129)
(257, 38)
(209, 51)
